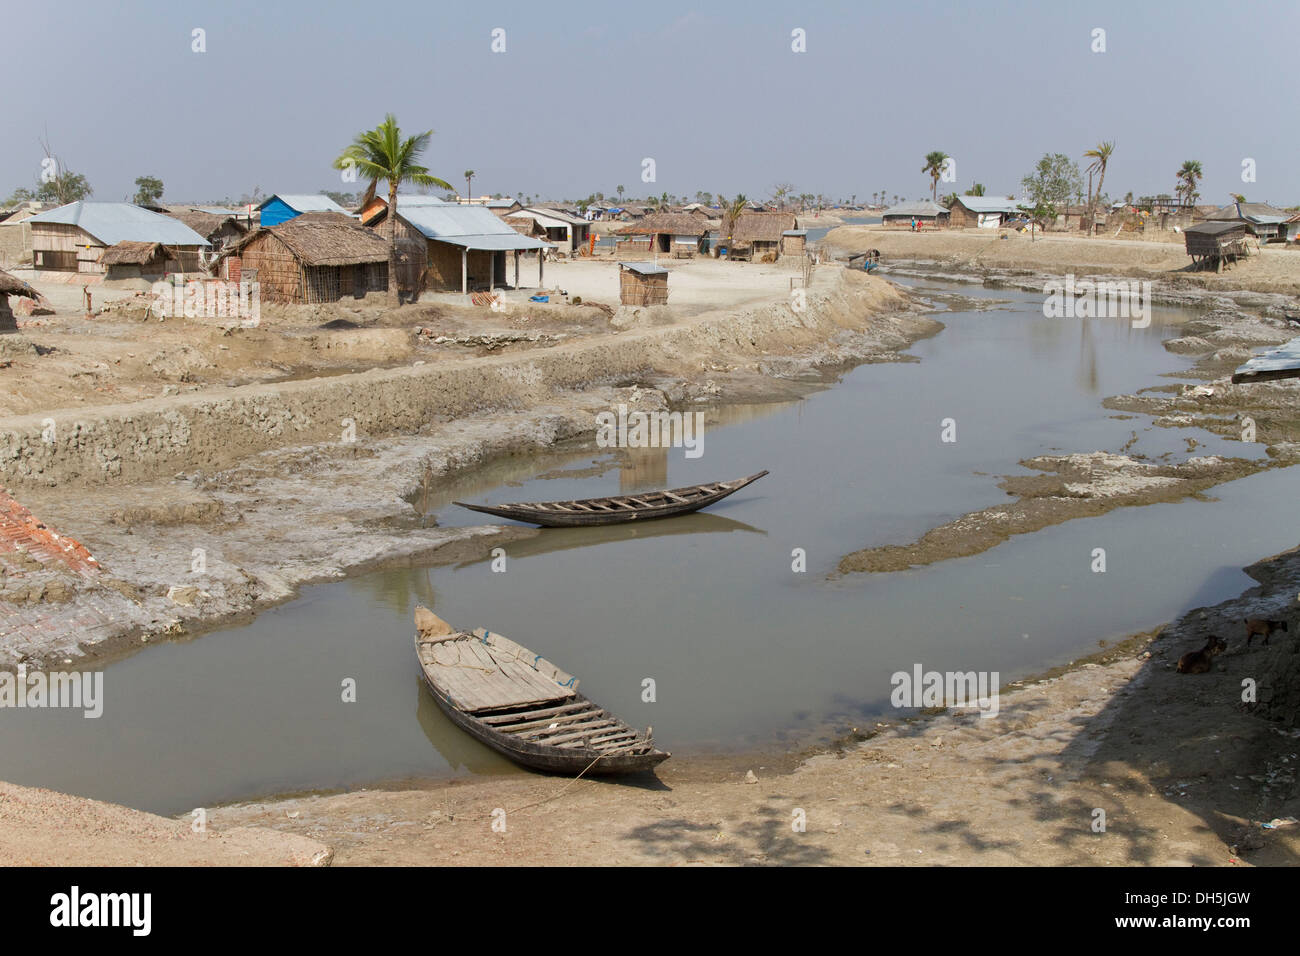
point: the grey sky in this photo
(712, 92)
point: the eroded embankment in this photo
(222, 506)
(161, 436)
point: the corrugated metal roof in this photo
(1249, 211)
(916, 207)
(114, 222)
(417, 199)
(474, 227)
(1280, 362)
(641, 268)
(559, 214)
(302, 202)
(989, 204)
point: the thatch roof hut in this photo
(760, 235)
(218, 228)
(309, 260)
(9, 285)
(680, 234)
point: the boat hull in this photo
(549, 515)
(544, 758)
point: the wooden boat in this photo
(618, 508)
(523, 706)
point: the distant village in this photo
(317, 248)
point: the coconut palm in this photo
(469, 175)
(934, 161)
(730, 213)
(1188, 176)
(382, 153)
(976, 190)
(1100, 156)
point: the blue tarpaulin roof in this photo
(114, 222)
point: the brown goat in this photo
(1262, 627)
(1198, 662)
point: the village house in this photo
(282, 207)
(309, 259)
(220, 227)
(681, 235)
(75, 238)
(16, 233)
(455, 247)
(760, 236)
(570, 233)
(378, 204)
(1262, 220)
(502, 207)
(924, 211)
(982, 212)
(15, 287)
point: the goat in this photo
(1262, 627)
(1198, 662)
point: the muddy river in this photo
(742, 650)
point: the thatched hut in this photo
(642, 284)
(16, 287)
(1214, 242)
(679, 234)
(219, 227)
(759, 236)
(306, 260)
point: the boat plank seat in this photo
(483, 671)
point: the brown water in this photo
(743, 651)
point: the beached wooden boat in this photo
(618, 508)
(523, 706)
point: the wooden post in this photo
(516, 268)
(464, 270)
(541, 260)
(492, 271)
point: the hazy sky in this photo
(712, 92)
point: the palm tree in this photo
(1188, 176)
(620, 193)
(381, 153)
(976, 190)
(730, 213)
(469, 175)
(1100, 156)
(934, 161)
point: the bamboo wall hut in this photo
(681, 235)
(220, 228)
(74, 238)
(449, 247)
(759, 236)
(1216, 242)
(642, 284)
(306, 260)
(15, 287)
